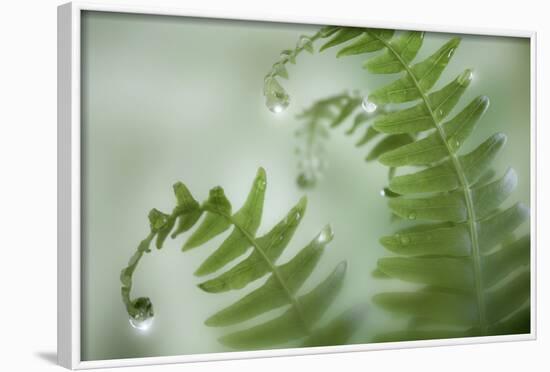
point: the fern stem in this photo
(472, 224)
(293, 300)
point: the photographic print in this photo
(250, 185)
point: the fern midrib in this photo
(465, 186)
(292, 299)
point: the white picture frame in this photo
(69, 186)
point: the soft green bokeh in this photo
(172, 98)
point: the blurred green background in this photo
(174, 98)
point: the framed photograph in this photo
(239, 186)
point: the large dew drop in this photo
(141, 324)
(368, 106)
(277, 102)
(144, 315)
(276, 98)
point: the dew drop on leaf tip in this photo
(142, 324)
(466, 77)
(277, 103)
(144, 316)
(325, 235)
(368, 106)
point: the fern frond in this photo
(318, 119)
(303, 312)
(331, 113)
(276, 97)
(476, 282)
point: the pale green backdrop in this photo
(173, 98)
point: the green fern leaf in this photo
(277, 99)
(475, 278)
(281, 289)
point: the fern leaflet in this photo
(276, 97)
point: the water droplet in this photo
(368, 106)
(306, 180)
(466, 77)
(382, 192)
(456, 144)
(141, 324)
(412, 216)
(405, 240)
(325, 235)
(277, 102)
(297, 216)
(143, 317)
